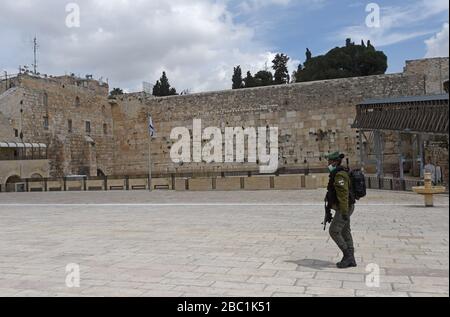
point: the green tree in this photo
(281, 75)
(157, 89)
(308, 54)
(115, 92)
(263, 78)
(341, 62)
(162, 87)
(294, 74)
(249, 81)
(237, 78)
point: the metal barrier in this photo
(396, 184)
(168, 181)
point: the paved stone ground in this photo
(266, 243)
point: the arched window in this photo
(11, 184)
(45, 100)
(77, 101)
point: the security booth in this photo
(399, 135)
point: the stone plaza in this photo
(218, 244)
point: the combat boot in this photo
(352, 257)
(348, 260)
(343, 258)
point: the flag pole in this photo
(150, 163)
(150, 136)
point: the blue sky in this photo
(198, 42)
(320, 25)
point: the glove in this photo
(345, 217)
(329, 217)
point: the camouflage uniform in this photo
(340, 199)
(340, 229)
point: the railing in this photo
(395, 184)
(140, 182)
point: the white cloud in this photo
(398, 24)
(196, 42)
(438, 46)
(251, 5)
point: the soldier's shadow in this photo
(314, 264)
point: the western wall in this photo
(89, 134)
(314, 119)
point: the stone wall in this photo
(23, 169)
(434, 71)
(313, 118)
(6, 130)
(36, 101)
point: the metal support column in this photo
(401, 158)
(378, 139)
(420, 159)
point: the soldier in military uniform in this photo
(339, 198)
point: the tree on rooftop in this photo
(249, 81)
(281, 75)
(237, 78)
(263, 78)
(162, 87)
(115, 92)
(350, 60)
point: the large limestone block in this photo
(56, 185)
(116, 184)
(162, 183)
(74, 185)
(257, 183)
(200, 184)
(95, 185)
(228, 183)
(311, 182)
(180, 184)
(322, 180)
(138, 183)
(36, 186)
(288, 182)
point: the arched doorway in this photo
(36, 176)
(36, 183)
(11, 184)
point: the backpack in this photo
(358, 181)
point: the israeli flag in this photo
(151, 127)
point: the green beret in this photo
(336, 156)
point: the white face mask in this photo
(331, 168)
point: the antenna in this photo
(35, 49)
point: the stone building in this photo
(71, 115)
(19, 160)
(89, 134)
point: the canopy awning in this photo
(420, 114)
(16, 145)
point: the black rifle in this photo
(328, 215)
